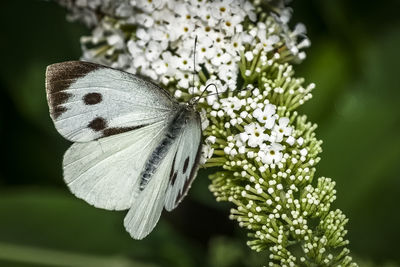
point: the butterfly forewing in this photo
(88, 101)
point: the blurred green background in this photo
(355, 62)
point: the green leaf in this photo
(51, 224)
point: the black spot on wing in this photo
(191, 177)
(117, 130)
(171, 173)
(98, 124)
(60, 76)
(185, 164)
(173, 178)
(92, 98)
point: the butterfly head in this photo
(192, 103)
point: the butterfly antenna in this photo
(195, 73)
(205, 90)
(194, 61)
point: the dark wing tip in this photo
(59, 77)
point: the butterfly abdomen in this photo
(155, 158)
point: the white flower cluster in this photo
(164, 43)
(156, 38)
(294, 40)
(263, 136)
(91, 12)
(269, 154)
(266, 151)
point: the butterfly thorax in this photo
(176, 124)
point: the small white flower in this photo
(149, 6)
(221, 57)
(304, 152)
(290, 140)
(236, 43)
(248, 9)
(145, 20)
(254, 135)
(184, 62)
(249, 55)
(116, 40)
(271, 154)
(183, 79)
(266, 116)
(153, 51)
(250, 154)
(141, 61)
(181, 27)
(163, 15)
(143, 35)
(160, 67)
(221, 9)
(281, 129)
(161, 35)
(233, 103)
(205, 51)
(206, 153)
(211, 139)
(229, 24)
(266, 41)
(170, 62)
(204, 12)
(300, 141)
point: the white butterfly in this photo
(136, 147)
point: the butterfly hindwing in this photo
(185, 163)
(88, 101)
(106, 172)
(146, 209)
(171, 181)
